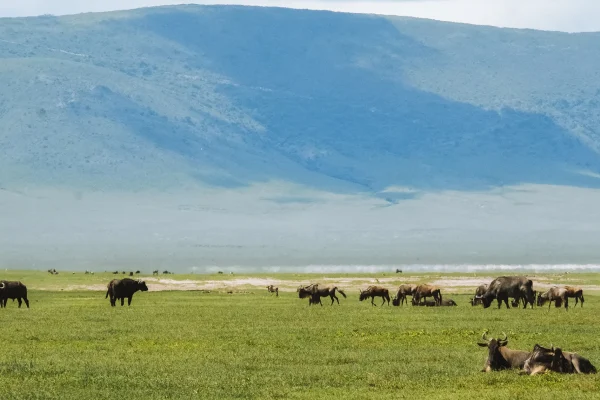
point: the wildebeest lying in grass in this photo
(375, 291)
(554, 359)
(124, 288)
(506, 287)
(424, 291)
(403, 291)
(13, 290)
(501, 357)
(272, 289)
(433, 303)
(314, 292)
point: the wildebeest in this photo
(398, 271)
(426, 303)
(130, 273)
(155, 272)
(448, 302)
(272, 289)
(13, 290)
(314, 292)
(542, 359)
(475, 301)
(375, 291)
(556, 295)
(506, 287)
(138, 272)
(500, 356)
(575, 292)
(124, 288)
(424, 291)
(53, 271)
(554, 359)
(167, 272)
(403, 291)
(433, 303)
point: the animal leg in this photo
(373, 301)
(567, 303)
(581, 300)
(129, 300)
(26, 301)
(20, 302)
(122, 301)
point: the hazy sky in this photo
(564, 15)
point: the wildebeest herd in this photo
(519, 289)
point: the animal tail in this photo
(106, 297)
(342, 292)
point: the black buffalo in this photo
(506, 287)
(13, 290)
(124, 288)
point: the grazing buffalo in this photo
(506, 287)
(556, 295)
(314, 292)
(124, 288)
(554, 359)
(424, 291)
(500, 356)
(403, 291)
(13, 290)
(272, 289)
(375, 291)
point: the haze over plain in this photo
(223, 136)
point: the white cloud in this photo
(563, 15)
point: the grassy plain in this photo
(192, 344)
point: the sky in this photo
(559, 15)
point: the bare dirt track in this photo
(448, 284)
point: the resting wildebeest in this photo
(403, 291)
(555, 294)
(506, 287)
(542, 359)
(124, 288)
(272, 289)
(500, 356)
(424, 291)
(13, 290)
(375, 291)
(554, 359)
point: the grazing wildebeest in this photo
(115, 273)
(556, 294)
(53, 271)
(166, 272)
(272, 289)
(138, 272)
(130, 273)
(315, 292)
(375, 291)
(500, 356)
(424, 291)
(398, 271)
(403, 291)
(124, 288)
(13, 290)
(506, 287)
(575, 292)
(554, 359)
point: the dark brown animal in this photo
(501, 357)
(554, 359)
(506, 287)
(542, 359)
(272, 289)
(575, 292)
(556, 295)
(475, 301)
(13, 290)
(124, 288)
(375, 291)
(424, 291)
(403, 291)
(448, 302)
(314, 292)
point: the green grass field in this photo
(190, 344)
